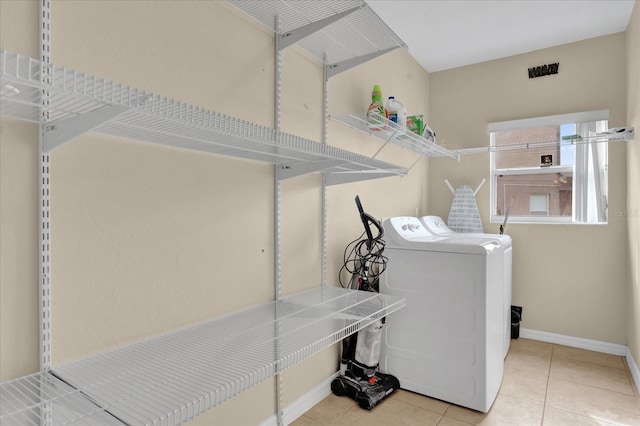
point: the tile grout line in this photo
(546, 391)
(334, 421)
(601, 366)
(596, 387)
(554, 354)
(442, 415)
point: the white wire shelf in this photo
(43, 399)
(390, 132)
(175, 377)
(76, 103)
(618, 134)
(351, 35)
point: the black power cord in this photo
(363, 260)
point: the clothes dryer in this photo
(436, 226)
(447, 342)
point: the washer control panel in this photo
(408, 228)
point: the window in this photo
(549, 169)
(539, 204)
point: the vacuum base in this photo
(367, 393)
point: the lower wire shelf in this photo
(172, 378)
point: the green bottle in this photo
(376, 114)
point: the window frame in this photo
(555, 120)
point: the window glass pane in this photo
(539, 204)
(517, 191)
(567, 149)
(550, 166)
(532, 157)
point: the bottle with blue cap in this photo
(397, 112)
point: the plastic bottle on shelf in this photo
(376, 114)
(397, 112)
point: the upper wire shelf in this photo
(172, 378)
(357, 31)
(392, 132)
(71, 103)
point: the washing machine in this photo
(447, 343)
(436, 226)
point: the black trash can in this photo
(516, 319)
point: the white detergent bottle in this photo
(397, 112)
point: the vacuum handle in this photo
(366, 220)
(359, 204)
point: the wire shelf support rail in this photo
(617, 134)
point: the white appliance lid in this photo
(436, 225)
(405, 232)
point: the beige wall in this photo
(582, 289)
(147, 239)
(18, 214)
(633, 176)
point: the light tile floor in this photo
(543, 384)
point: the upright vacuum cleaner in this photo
(360, 357)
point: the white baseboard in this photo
(592, 345)
(635, 371)
(574, 342)
(302, 404)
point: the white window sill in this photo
(541, 221)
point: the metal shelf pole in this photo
(325, 140)
(44, 247)
(277, 214)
